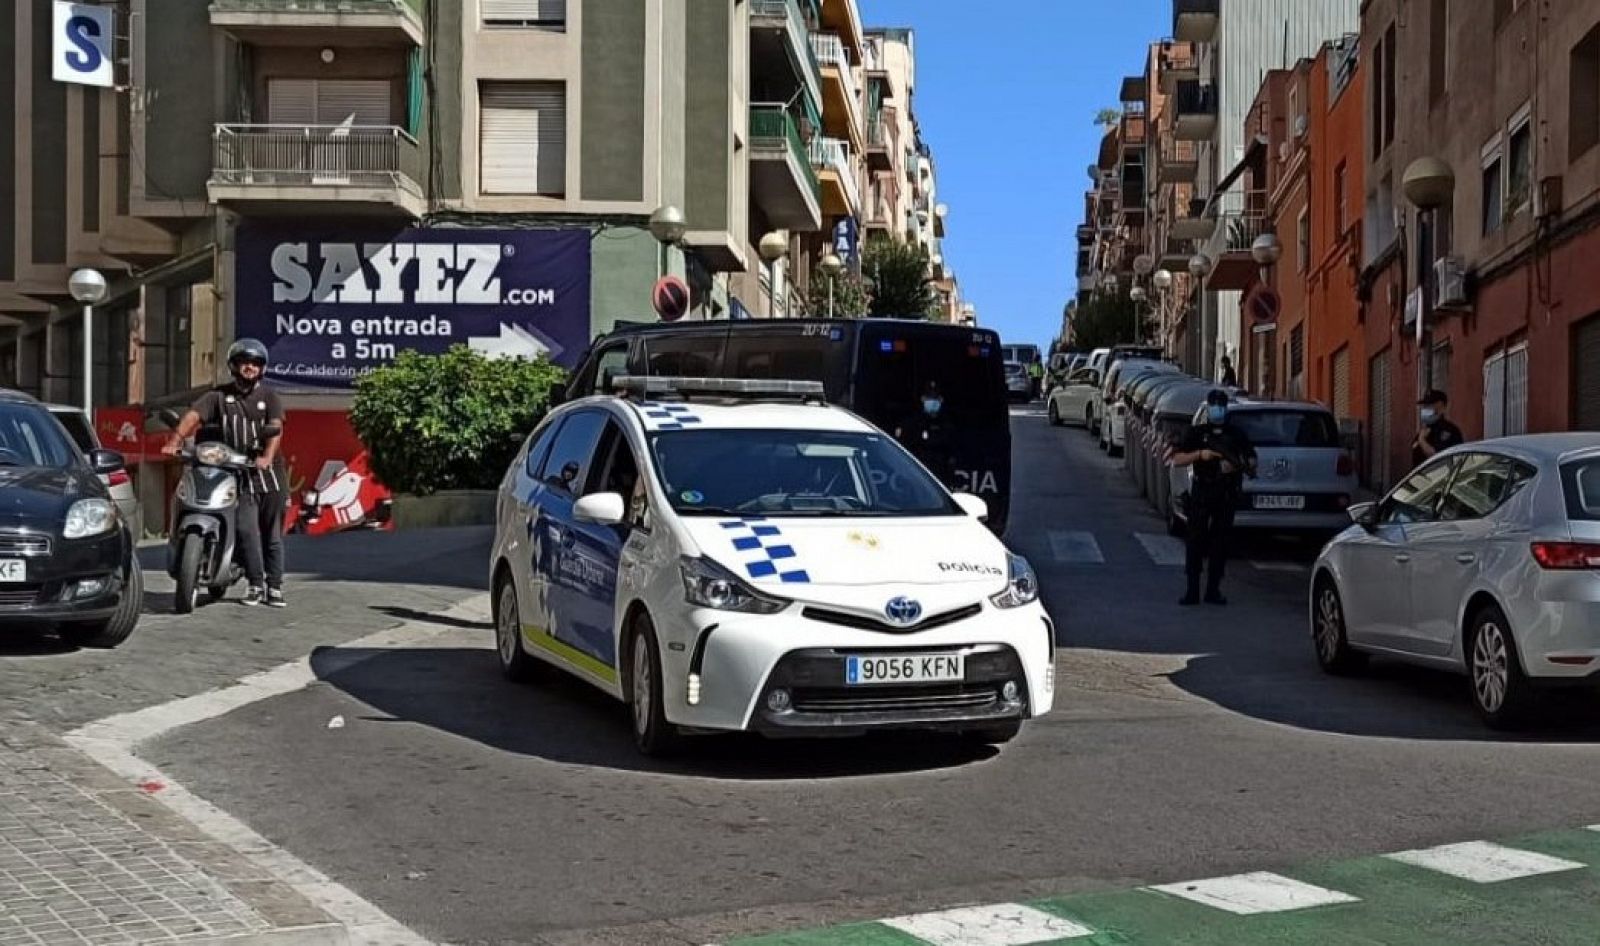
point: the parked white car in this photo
(1485, 561)
(1074, 402)
(721, 563)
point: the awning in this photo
(1253, 153)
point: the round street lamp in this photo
(831, 266)
(1428, 183)
(772, 248)
(1162, 279)
(1144, 263)
(1200, 265)
(1266, 250)
(89, 287)
(667, 224)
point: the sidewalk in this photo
(89, 860)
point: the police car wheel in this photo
(515, 663)
(652, 733)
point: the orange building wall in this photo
(1337, 136)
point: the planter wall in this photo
(462, 507)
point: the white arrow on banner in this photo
(512, 342)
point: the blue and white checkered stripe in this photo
(659, 416)
(766, 552)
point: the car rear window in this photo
(1581, 482)
(1287, 428)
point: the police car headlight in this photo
(708, 585)
(1022, 587)
(89, 517)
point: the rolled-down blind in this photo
(328, 102)
(524, 138)
(292, 101)
(1341, 383)
(545, 13)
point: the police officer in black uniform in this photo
(926, 434)
(1222, 456)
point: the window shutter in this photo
(1517, 391)
(550, 14)
(1341, 383)
(357, 101)
(1586, 380)
(1380, 397)
(523, 138)
(292, 101)
(1494, 396)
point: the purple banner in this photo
(332, 307)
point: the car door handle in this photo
(1402, 558)
(1466, 558)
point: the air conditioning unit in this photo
(1450, 274)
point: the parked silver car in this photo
(120, 483)
(1485, 561)
(1019, 386)
(1306, 479)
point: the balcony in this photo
(1233, 268)
(1189, 221)
(1176, 63)
(841, 94)
(299, 22)
(841, 193)
(1195, 21)
(360, 170)
(1194, 106)
(880, 213)
(1179, 162)
(843, 18)
(880, 143)
(782, 181)
(778, 34)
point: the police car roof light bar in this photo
(718, 387)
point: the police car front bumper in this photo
(727, 675)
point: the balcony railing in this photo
(316, 156)
(1194, 97)
(831, 51)
(1239, 230)
(832, 154)
(1134, 130)
(795, 26)
(770, 124)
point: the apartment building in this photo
(1490, 110)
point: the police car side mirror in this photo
(605, 509)
(972, 506)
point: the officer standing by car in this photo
(925, 434)
(1437, 432)
(249, 416)
(1222, 456)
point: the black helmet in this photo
(245, 349)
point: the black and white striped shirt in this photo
(237, 418)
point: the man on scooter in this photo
(242, 411)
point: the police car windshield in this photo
(794, 473)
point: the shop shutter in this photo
(1381, 401)
(524, 138)
(1494, 395)
(1586, 376)
(545, 14)
(1341, 383)
(328, 102)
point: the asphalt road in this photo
(1185, 743)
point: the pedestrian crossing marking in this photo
(1006, 924)
(1076, 548)
(1163, 549)
(1260, 892)
(1484, 863)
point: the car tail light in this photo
(1347, 466)
(118, 478)
(1567, 555)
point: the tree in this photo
(450, 421)
(1107, 117)
(850, 295)
(1108, 319)
(901, 288)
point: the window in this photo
(1580, 480)
(1302, 229)
(1493, 194)
(1341, 213)
(1438, 49)
(1519, 165)
(535, 14)
(523, 138)
(1287, 428)
(1297, 361)
(539, 447)
(1505, 392)
(1375, 133)
(620, 475)
(1416, 499)
(572, 453)
(29, 437)
(610, 363)
(1389, 60)
(1441, 366)
(1583, 87)
(1482, 484)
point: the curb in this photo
(319, 934)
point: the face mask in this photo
(1216, 413)
(931, 406)
(1429, 415)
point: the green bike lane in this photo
(1542, 888)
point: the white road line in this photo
(1006, 924)
(114, 740)
(1484, 863)
(1162, 549)
(1260, 892)
(1076, 548)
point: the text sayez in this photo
(460, 274)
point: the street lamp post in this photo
(772, 248)
(1200, 266)
(88, 286)
(1429, 184)
(668, 227)
(1162, 280)
(831, 266)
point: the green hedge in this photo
(450, 421)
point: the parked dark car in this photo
(66, 553)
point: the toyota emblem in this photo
(903, 611)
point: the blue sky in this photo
(1007, 92)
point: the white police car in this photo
(737, 555)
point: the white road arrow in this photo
(512, 342)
